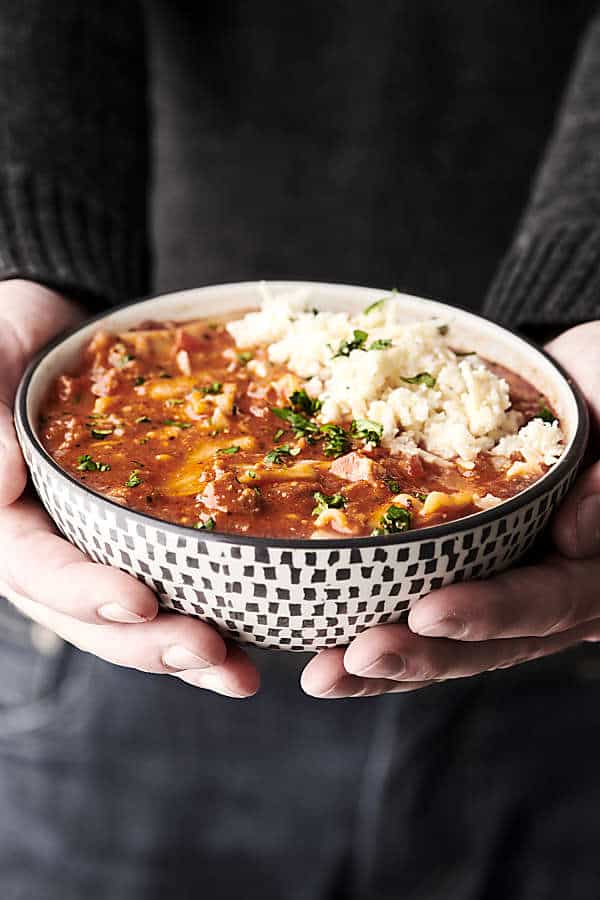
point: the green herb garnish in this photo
(101, 433)
(229, 451)
(276, 456)
(134, 479)
(395, 520)
(337, 441)
(422, 378)
(207, 525)
(546, 415)
(300, 424)
(244, 357)
(139, 379)
(214, 388)
(125, 358)
(141, 419)
(357, 343)
(366, 430)
(301, 402)
(174, 401)
(328, 501)
(176, 423)
(381, 344)
(87, 464)
(373, 306)
(419, 496)
(394, 486)
(279, 433)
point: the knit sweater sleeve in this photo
(550, 277)
(73, 146)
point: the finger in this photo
(171, 644)
(13, 472)
(393, 651)
(576, 526)
(578, 350)
(537, 600)
(66, 580)
(237, 677)
(30, 316)
(326, 678)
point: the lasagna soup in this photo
(289, 421)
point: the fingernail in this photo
(448, 627)
(588, 526)
(115, 613)
(177, 657)
(210, 681)
(388, 665)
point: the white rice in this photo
(466, 411)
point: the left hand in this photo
(518, 615)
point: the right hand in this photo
(97, 608)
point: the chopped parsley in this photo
(101, 433)
(301, 425)
(244, 357)
(366, 430)
(328, 501)
(301, 402)
(395, 520)
(177, 423)
(174, 401)
(357, 343)
(278, 434)
(381, 344)
(373, 306)
(214, 388)
(229, 451)
(251, 474)
(276, 456)
(141, 419)
(419, 496)
(134, 479)
(138, 380)
(337, 441)
(546, 415)
(422, 378)
(87, 464)
(394, 486)
(207, 525)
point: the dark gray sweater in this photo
(394, 143)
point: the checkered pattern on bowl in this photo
(291, 594)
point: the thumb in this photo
(576, 529)
(30, 315)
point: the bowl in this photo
(298, 594)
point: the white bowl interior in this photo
(466, 330)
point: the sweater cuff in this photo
(549, 279)
(52, 234)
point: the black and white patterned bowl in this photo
(285, 593)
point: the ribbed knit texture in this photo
(551, 274)
(73, 147)
(68, 241)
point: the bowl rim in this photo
(571, 459)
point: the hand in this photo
(99, 609)
(519, 615)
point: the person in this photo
(392, 144)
